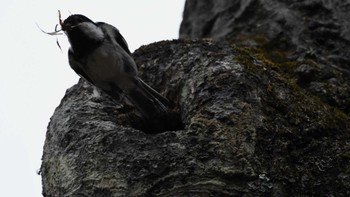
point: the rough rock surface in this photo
(265, 111)
(248, 131)
(315, 34)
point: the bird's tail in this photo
(147, 100)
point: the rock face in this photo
(257, 117)
(315, 33)
(248, 131)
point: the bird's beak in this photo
(64, 27)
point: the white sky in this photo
(35, 73)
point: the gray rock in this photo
(248, 131)
(260, 108)
(285, 32)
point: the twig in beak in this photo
(58, 44)
(56, 32)
(60, 20)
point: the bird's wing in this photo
(115, 34)
(147, 100)
(153, 92)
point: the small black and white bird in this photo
(100, 54)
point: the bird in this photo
(99, 54)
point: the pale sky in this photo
(35, 73)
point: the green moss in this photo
(345, 155)
(258, 39)
(275, 72)
(245, 57)
(268, 52)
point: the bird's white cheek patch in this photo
(92, 30)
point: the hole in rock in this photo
(126, 114)
(169, 122)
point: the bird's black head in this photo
(83, 34)
(73, 21)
